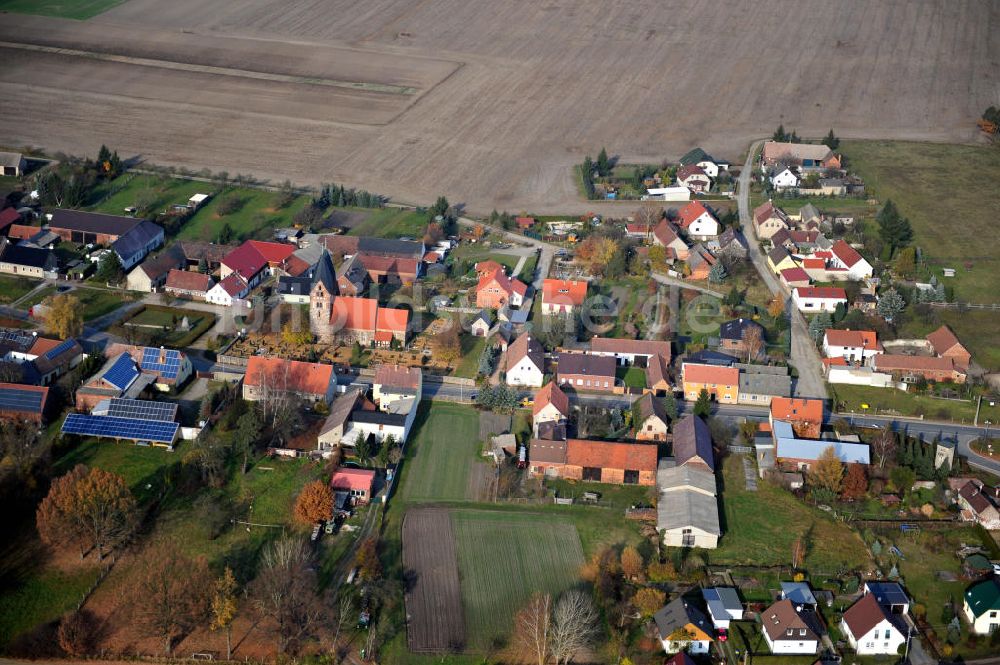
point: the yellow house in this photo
(722, 383)
(779, 259)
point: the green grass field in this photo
(392, 223)
(759, 528)
(12, 288)
(829, 205)
(441, 454)
(80, 10)
(97, 302)
(634, 377)
(139, 466)
(850, 398)
(43, 595)
(948, 192)
(158, 193)
(504, 558)
(257, 218)
(978, 330)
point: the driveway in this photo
(805, 358)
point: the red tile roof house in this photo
(496, 290)
(792, 277)
(524, 362)
(488, 267)
(700, 262)
(946, 345)
(696, 220)
(857, 346)
(551, 405)
(812, 299)
(524, 223)
(768, 220)
(910, 368)
(848, 259)
(611, 462)
(583, 371)
(978, 506)
(562, 296)
(188, 284)
(357, 482)
(255, 259)
(390, 269)
(665, 235)
(313, 382)
(872, 629)
(232, 290)
(694, 178)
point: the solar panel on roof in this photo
(142, 409)
(120, 428)
(15, 337)
(62, 348)
(168, 368)
(16, 399)
(122, 373)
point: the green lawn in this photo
(158, 193)
(139, 466)
(392, 223)
(618, 497)
(759, 528)
(504, 558)
(257, 218)
(468, 365)
(12, 288)
(948, 192)
(444, 446)
(42, 595)
(634, 377)
(830, 205)
(97, 302)
(80, 10)
(850, 398)
(39, 296)
(978, 330)
(170, 317)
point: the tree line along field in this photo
(502, 121)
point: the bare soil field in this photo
(435, 621)
(507, 96)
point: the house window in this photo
(579, 382)
(687, 538)
(631, 477)
(592, 473)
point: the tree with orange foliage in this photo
(776, 307)
(855, 482)
(89, 508)
(596, 252)
(648, 601)
(367, 561)
(315, 503)
(447, 343)
(632, 563)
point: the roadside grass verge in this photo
(897, 402)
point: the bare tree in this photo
(648, 215)
(574, 626)
(884, 445)
(345, 609)
(753, 341)
(171, 596)
(285, 591)
(533, 626)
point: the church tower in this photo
(321, 296)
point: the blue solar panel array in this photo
(18, 399)
(168, 369)
(62, 348)
(122, 373)
(142, 409)
(120, 428)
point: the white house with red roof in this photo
(495, 290)
(256, 259)
(847, 258)
(813, 299)
(696, 220)
(694, 178)
(856, 346)
(232, 290)
(665, 235)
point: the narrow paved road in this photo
(805, 358)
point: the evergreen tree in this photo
(819, 324)
(890, 304)
(779, 133)
(840, 312)
(717, 273)
(670, 405)
(603, 163)
(894, 229)
(906, 457)
(734, 297)
(703, 407)
(831, 141)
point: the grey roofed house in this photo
(32, 257)
(310, 255)
(650, 406)
(709, 357)
(547, 451)
(810, 213)
(798, 592)
(778, 385)
(92, 222)
(678, 613)
(684, 508)
(389, 247)
(732, 242)
(340, 410)
(723, 603)
(138, 240)
(733, 330)
(693, 156)
(586, 364)
(294, 286)
(351, 270)
(671, 477)
(693, 442)
(158, 266)
(193, 251)
(778, 254)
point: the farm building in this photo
(597, 461)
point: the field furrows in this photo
(433, 599)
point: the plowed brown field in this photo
(491, 103)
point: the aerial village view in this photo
(510, 333)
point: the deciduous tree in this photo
(447, 343)
(884, 446)
(285, 591)
(76, 633)
(574, 626)
(597, 253)
(314, 503)
(367, 561)
(648, 601)
(532, 628)
(855, 482)
(776, 306)
(224, 607)
(64, 316)
(829, 470)
(171, 594)
(632, 563)
(753, 340)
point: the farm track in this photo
(435, 622)
(510, 95)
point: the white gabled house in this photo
(525, 362)
(855, 346)
(788, 629)
(785, 178)
(814, 299)
(872, 629)
(847, 258)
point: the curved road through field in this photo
(805, 358)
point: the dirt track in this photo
(508, 95)
(435, 621)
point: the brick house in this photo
(584, 371)
(611, 462)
